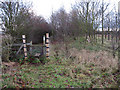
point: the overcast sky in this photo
(45, 7)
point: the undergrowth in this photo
(58, 74)
(73, 65)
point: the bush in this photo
(7, 42)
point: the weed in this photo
(90, 67)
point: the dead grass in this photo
(80, 68)
(9, 67)
(88, 65)
(101, 58)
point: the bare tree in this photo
(13, 15)
(60, 23)
(91, 11)
(108, 25)
(104, 8)
(119, 36)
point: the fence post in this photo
(44, 40)
(47, 45)
(25, 46)
(31, 47)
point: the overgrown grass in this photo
(73, 65)
(80, 44)
(57, 75)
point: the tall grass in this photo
(68, 67)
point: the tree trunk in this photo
(113, 45)
(116, 29)
(119, 52)
(102, 24)
(108, 33)
(87, 20)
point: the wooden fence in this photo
(43, 48)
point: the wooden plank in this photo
(37, 45)
(19, 49)
(20, 44)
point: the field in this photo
(74, 64)
(76, 45)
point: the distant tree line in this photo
(84, 19)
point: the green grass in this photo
(61, 72)
(59, 76)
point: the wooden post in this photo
(47, 45)
(25, 46)
(44, 40)
(44, 47)
(31, 47)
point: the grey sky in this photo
(45, 7)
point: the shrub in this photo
(7, 42)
